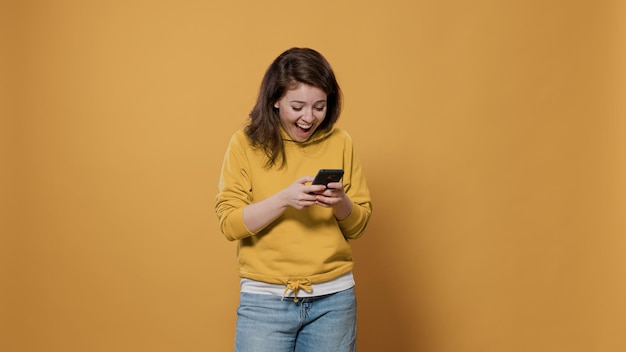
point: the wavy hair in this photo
(292, 67)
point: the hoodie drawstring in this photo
(295, 286)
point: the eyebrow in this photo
(304, 102)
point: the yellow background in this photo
(492, 133)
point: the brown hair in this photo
(292, 67)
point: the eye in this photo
(320, 108)
(296, 108)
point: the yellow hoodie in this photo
(307, 245)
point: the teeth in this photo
(303, 126)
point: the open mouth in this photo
(304, 127)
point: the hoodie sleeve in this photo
(356, 188)
(234, 192)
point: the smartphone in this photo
(326, 176)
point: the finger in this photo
(305, 179)
(323, 201)
(316, 189)
(328, 201)
(301, 204)
(321, 204)
(335, 185)
(308, 198)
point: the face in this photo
(302, 110)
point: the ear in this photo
(276, 105)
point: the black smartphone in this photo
(326, 176)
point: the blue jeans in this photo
(324, 323)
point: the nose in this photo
(308, 115)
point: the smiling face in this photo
(302, 109)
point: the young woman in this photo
(295, 261)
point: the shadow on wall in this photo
(391, 312)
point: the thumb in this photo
(305, 179)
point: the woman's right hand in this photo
(300, 195)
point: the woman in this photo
(293, 235)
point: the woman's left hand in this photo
(335, 197)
